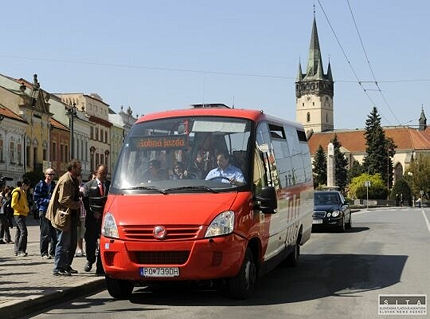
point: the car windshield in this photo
(197, 154)
(326, 199)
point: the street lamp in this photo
(72, 113)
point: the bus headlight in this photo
(223, 224)
(109, 228)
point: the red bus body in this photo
(178, 248)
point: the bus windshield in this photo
(193, 154)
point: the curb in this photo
(24, 308)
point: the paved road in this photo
(340, 276)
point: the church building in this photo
(315, 108)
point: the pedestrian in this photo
(20, 211)
(41, 196)
(5, 214)
(63, 212)
(94, 199)
(81, 224)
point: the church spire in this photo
(299, 74)
(315, 67)
(422, 120)
(329, 75)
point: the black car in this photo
(331, 210)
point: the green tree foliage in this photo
(418, 175)
(379, 149)
(341, 164)
(401, 191)
(377, 189)
(320, 168)
(355, 170)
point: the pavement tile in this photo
(30, 278)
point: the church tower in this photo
(422, 121)
(314, 91)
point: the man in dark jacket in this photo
(94, 200)
(41, 196)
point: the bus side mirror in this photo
(266, 200)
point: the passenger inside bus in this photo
(154, 172)
(226, 172)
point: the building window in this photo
(101, 136)
(19, 153)
(308, 117)
(326, 117)
(12, 152)
(44, 154)
(101, 159)
(1, 150)
(106, 141)
(28, 155)
(61, 153)
(54, 151)
(34, 157)
(97, 134)
(97, 161)
(66, 155)
(91, 132)
(313, 103)
(303, 104)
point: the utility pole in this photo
(71, 111)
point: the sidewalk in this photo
(27, 284)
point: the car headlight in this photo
(223, 224)
(109, 228)
(335, 213)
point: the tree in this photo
(341, 164)
(401, 192)
(379, 149)
(377, 189)
(320, 168)
(418, 175)
(355, 170)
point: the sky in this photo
(168, 54)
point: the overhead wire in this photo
(370, 65)
(359, 82)
(161, 68)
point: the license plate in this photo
(159, 272)
(317, 221)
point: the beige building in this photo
(12, 135)
(30, 102)
(98, 115)
(314, 91)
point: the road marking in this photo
(426, 219)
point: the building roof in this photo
(54, 123)
(405, 138)
(4, 111)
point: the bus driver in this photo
(225, 171)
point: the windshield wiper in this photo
(149, 188)
(196, 188)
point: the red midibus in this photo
(207, 193)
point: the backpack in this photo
(7, 206)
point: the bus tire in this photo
(119, 289)
(293, 258)
(242, 286)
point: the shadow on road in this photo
(317, 276)
(331, 230)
